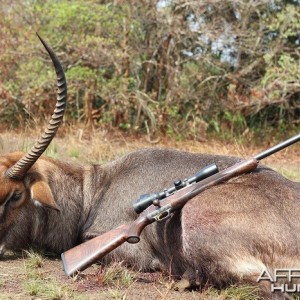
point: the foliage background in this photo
(185, 69)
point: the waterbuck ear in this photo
(41, 192)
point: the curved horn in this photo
(20, 168)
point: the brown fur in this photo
(229, 233)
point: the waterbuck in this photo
(230, 233)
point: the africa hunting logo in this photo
(283, 280)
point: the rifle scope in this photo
(146, 200)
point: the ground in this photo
(35, 275)
(32, 276)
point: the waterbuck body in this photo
(229, 233)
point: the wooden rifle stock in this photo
(83, 255)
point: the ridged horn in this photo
(20, 168)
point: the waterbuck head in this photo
(22, 183)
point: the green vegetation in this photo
(290, 171)
(33, 260)
(176, 68)
(116, 275)
(39, 284)
(74, 152)
(241, 292)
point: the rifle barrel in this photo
(278, 147)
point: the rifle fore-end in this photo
(82, 256)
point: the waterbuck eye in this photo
(15, 197)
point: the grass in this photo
(116, 274)
(2, 282)
(233, 292)
(241, 292)
(48, 288)
(74, 153)
(116, 294)
(99, 147)
(33, 259)
(39, 284)
(290, 171)
(51, 151)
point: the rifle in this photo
(159, 207)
